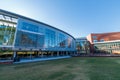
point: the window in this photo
(95, 40)
(6, 35)
(25, 39)
(61, 40)
(30, 27)
(94, 37)
(50, 38)
(101, 40)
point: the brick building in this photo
(105, 42)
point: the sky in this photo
(76, 17)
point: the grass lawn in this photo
(79, 68)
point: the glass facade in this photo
(33, 35)
(29, 40)
(6, 35)
(29, 27)
(7, 30)
(50, 38)
(82, 45)
(19, 32)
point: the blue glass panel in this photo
(30, 27)
(29, 40)
(61, 40)
(50, 38)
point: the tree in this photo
(86, 46)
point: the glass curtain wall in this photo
(7, 30)
(62, 41)
(50, 38)
(29, 40)
(56, 39)
(28, 36)
(34, 35)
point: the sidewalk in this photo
(41, 59)
(6, 61)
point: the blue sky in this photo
(77, 17)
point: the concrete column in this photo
(38, 54)
(58, 53)
(63, 53)
(41, 54)
(51, 53)
(30, 55)
(14, 54)
(111, 51)
(74, 52)
(66, 53)
(71, 53)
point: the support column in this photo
(62, 53)
(38, 53)
(111, 51)
(66, 53)
(58, 53)
(71, 53)
(74, 52)
(30, 55)
(41, 54)
(52, 54)
(15, 57)
(14, 54)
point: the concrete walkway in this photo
(41, 59)
(6, 61)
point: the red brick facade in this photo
(105, 36)
(101, 37)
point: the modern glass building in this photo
(82, 45)
(19, 33)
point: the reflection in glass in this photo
(25, 39)
(7, 35)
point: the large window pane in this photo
(30, 40)
(7, 35)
